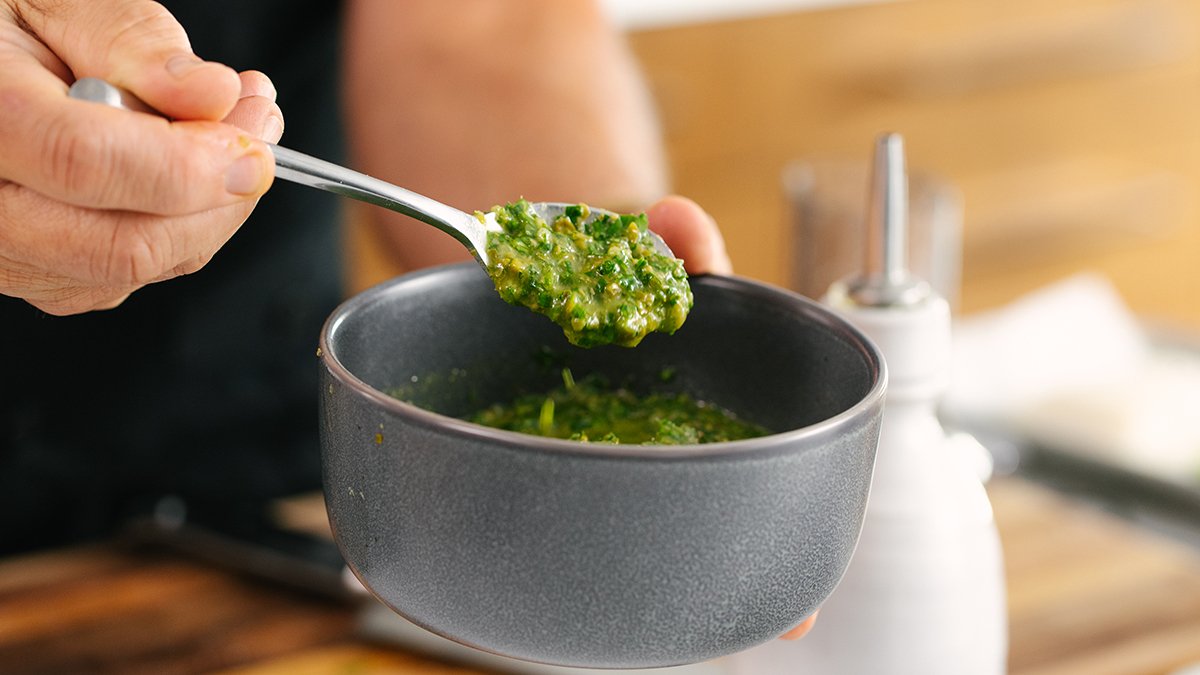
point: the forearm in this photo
(478, 102)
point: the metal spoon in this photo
(298, 167)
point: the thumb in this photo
(801, 630)
(137, 45)
(691, 234)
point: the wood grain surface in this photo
(1072, 128)
(106, 610)
(1089, 594)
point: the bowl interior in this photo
(588, 554)
(444, 341)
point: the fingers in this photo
(801, 630)
(96, 202)
(258, 116)
(138, 45)
(64, 257)
(256, 111)
(255, 83)
(692, 235)
(91, 155)
(53, 293)
(64, 300)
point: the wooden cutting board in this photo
(1089, 594)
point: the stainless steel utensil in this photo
(297, 167)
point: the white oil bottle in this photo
(924, 593)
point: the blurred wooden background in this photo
(1072, 128)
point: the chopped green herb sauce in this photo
(602, 281)
(589, 410)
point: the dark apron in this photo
(203, 386)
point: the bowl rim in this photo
(775, 443)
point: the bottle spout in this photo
(885, 280)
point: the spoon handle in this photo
(298, 167)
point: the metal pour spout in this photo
(885, 280)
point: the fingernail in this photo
(183, 64)
(259, 85)
(272, 129)
(245, 176)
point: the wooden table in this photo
(1088, 595)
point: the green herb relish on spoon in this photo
(601, 279)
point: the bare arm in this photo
(478, 103)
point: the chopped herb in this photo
(588, 410)
(601, 280)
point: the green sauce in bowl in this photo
(589, 410)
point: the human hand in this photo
(691, 234)
(96, 202)
(801, 630)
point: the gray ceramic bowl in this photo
(586, 554)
